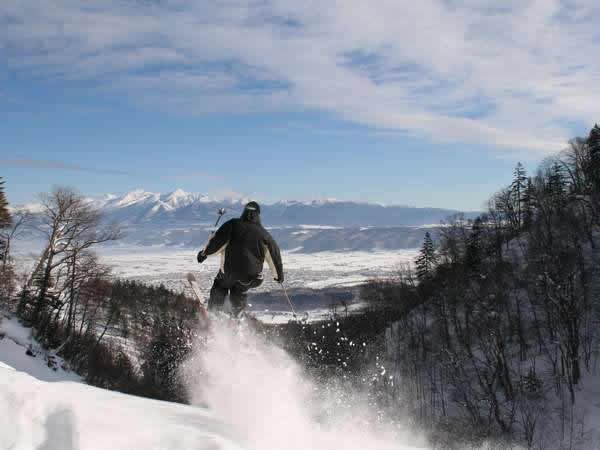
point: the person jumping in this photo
(244, 245)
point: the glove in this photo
(279, 279)
(201, 257)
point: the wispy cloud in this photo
(41, 164)
(511, 77)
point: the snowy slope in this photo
(68, 415)
(16, 340)
(52, 409)
(250, 395)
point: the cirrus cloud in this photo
(515, 77)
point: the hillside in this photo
(248, 395)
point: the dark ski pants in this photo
(236, 289)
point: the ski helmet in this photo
(252, 206)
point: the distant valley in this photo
(307, 239)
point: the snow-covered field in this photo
(247, 394)
(169, 265)
(316, 270)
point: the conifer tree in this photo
(474, 250)
(557, 184)
(427, 258)
(5, 219)
(528, 204)
(593, 143)
(517, 188)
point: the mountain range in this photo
(140, 207)
(182, 219)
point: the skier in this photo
(244, 245)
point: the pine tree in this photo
(5, 219)
(528, 204)
(517, 188)
(427, 258)
(593, 143)
(557, 184)
(474, 250)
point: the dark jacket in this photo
(246, 245)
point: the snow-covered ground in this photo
(20, 351)
(315, 270)
(170, 265)
(280, 313)
(66, 416)
(247, 394)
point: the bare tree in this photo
(84, 273)
(71, 224)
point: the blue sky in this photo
(428, 104)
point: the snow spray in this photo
(263, 395)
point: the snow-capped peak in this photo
(324, 201)
(33, 208)
(177, 198)
(135, 197)
(188, 209)
(177, 194)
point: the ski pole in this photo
(220, 212)
(289, 301)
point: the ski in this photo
(219, 316)
(196, 289)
